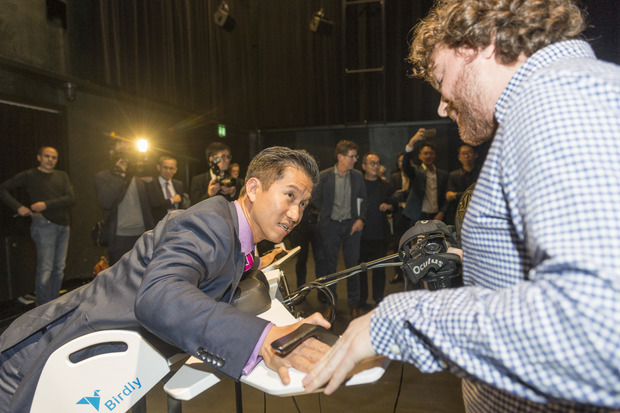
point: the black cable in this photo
(400, 385)
(296, 406)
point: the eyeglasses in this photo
(373, 163)
(229, 157)
(353, 156)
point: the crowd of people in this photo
(361, 211)
(365, 213)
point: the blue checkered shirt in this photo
(540, 314)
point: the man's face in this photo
(277, 210)
(167, 168)
(464, 94)
(467, 155)
(427, 155)
(47, 159)
(234, 171)
(225, 159)
(347, 162)
(371, 167)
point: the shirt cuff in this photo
(408, 148)
(254, 357)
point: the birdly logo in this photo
(92, 400)
(112, 403)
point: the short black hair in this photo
(270, 163)
(214, 148)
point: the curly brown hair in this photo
(515, 26)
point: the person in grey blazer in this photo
(177, 284)
(341, 199)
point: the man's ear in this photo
(488, 52)
(252, 187)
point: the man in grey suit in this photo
(177, 284)
(341, 199)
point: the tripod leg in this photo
(238, 397)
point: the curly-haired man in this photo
(537, 325)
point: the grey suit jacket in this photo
(175, 283)
(323, 196)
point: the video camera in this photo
(225, 180)
(137, 163)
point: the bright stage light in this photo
(143, 145)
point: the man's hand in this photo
(228, 190)
(23, 211)
(214, 187)
(456, 251)
(419, 135)
(267, 259)
(303, 358)
(357, 226)
(177, 199)
(350, 349)
(451, 195)
(38, 207)
(385, 207)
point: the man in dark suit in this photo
(167, 193)
(427, 184)
(177, 284)
(377, 228)
(341, 199)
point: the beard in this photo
(475, 125)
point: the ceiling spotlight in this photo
(321, 24)
(222, 17)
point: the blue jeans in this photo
(52, 242)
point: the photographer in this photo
(217, 180)
(122, 193)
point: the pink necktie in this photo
(168, 194)
(249, 261)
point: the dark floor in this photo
(440, 392)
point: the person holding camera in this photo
(428, 185)
(217, 180)
(124, 197)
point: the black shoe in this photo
(398, 278)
